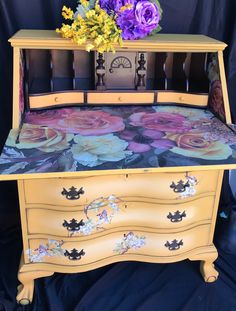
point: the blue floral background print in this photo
(114, 137)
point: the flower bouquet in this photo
(101, 24)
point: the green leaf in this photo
(81, 10)
(156, 30)
(159, 6)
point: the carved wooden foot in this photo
(208, 271)
(26, 289)
(207, 255)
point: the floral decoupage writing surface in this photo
(116, 137)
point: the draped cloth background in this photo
(122, 286)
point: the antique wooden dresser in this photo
(117, 156)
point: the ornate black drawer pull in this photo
(74, 254)
(174, 245)
(180, 186)
(73, 193)
(73, 225)
(177, 216)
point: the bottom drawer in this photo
(134, 245)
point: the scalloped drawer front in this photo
(118, 246)
(119, 214)
(78, 191)
(59, 191)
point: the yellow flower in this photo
(97, 27)
(98, 40)
(67, 13)
(126, 7)
(89, 47)
(84, 3)
(90, 14)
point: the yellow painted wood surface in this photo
(16, 118)
(45, 39)
(103, 247)
(143, 171)
(49, 220)
(120, 98)
(56, 99)
(200, 100)
(140, 186)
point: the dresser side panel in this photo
(216, 205)
(24, 219)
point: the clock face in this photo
(120, 70)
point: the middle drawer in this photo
(114, 213)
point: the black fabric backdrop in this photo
(123, 286)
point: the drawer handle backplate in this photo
(177, 216)
(180, 187)
(73, 225)
(72, 193)
(174, 245)
(74, 254)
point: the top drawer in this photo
(131, 187)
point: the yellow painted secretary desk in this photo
(117, 156)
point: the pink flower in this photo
(81, 122)
(161, 121)
(47, 117)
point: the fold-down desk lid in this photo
(78, 141)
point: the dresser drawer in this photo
(122, 245)
(77, 191)
(118, 214)
(120, 98)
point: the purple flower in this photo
(163, 144)
(113, 6)
(143, 142)
(130, 26)
(139, 21)
(110, 6)
(147, 15)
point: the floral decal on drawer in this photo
(98, 213)
(52, 248)
(185, 188)
(129, 241)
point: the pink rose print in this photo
(86, 123)
(161, 121)
(48, 118)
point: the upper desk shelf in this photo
(44, 39)
(158, 104)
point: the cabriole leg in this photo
(25, 290)
(207, 255)
(208, 271)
